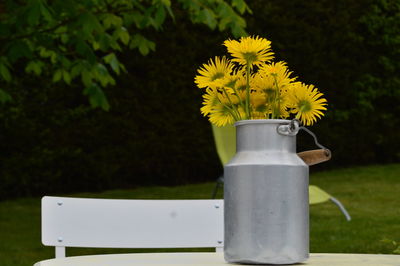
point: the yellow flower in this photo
(226, 96)
(277, 72)
(276, 97)
(250, 50)
(227, 81)
(257, 98)
(210, 73)
(258, 115)
(307, 103)
(234, 85)
(221, 116)
(210, 100)
(264, 84)
(282, 105)
(241, 83)
(213, 98)
(219, 108)
(250, 86)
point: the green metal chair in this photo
(225, 142)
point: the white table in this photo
(214, 259)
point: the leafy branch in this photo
(79, 39)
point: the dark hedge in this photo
(52, 142)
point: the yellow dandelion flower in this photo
(277, 72)
(228, 81)
(226, 95)
(234, 85)
(214, 97)
(276, 100)
(258, 115)
(250, 50)
(221, 116)
(210, 100)
(307, 103)
(282, 106)
(265, 84)
(241, 83)
(257, 98)
(213, 71)
(219, 108)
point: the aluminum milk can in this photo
(266, 196)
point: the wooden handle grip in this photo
(315, 156)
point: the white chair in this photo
(112, 223)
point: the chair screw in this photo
(59, 203)
(60, 239)
(216, 206)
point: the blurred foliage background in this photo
(52, 140)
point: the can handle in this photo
(315, 156)
(290, 129)
(309, 157)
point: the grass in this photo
(370, 194)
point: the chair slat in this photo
(111, 223)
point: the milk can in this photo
(266, 195)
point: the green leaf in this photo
(4, 72)
(4, 96)
(167, 5)
(96, 97)
(102, 70)
(67, 77)
(45, 13)
(124, 36)
(144, 45)
(102, 74)
(85, 50)
(160, 16)
(241, 6)
(64, 38)
(43, 52)
(95, 45)
(86, 77)
(34, 67)
(66, 63)
(89, 24)
(223, 23)
(104, 41)
(76, 70)
(18, 49)
(112, 20)
(57, 75)
(208, 17)
(112, 60)
(33, 13)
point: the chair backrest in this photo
(112, 223)
(225, 142)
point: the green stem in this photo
(247, 91)
(229, 109)
(240, 99)
(277, 97)
(229, 99)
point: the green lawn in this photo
(371, 195)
